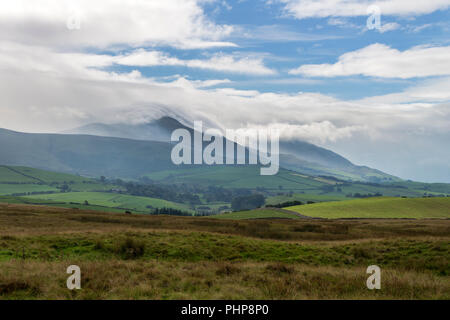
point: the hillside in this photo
(204, 190)
(304, 187)
(85, 155)
(16, 180)
(294, 155)
(97, 156)
(237, 177)
(111, 200)
(37, 186)
(380, 208)
(156, 130)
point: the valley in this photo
(209, 191)
(128, 168)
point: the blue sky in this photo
(267, 31)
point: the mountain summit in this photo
(295, 155)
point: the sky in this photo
(369, 80)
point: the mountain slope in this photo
(126, 158)
(84, 154)
(161, 129)
(157, 130)
(295, 155)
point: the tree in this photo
(248, 202)
(65, 187)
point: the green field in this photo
(8, 175)
(305, 187)
(257, 214)
(15, 180)
(41, 202)
(383, 207)
(10, 189)
(25, 174)
(112, 200)
(237, 177)
(304, 198)
(36, 184)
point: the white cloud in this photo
(391, 26)
(346, 23)
(69, 81)
(379, 60)
(302, 9)
(49, 82)
(338, 22)
(278, 33)
(316, 132)
(421, 27)
(184, 82)
(218, 62)
(429, 91)
(107, 23)
(44, 91)
(90, 66)
(210, 83)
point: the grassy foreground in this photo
(162, 257)
(383, 207)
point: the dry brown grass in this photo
(35, 220)
(167, 257)
(211, 280)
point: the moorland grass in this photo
(131, 279)
(257, 214)
(167, 257)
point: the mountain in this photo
(157, 130)
(132, 151)
(161, 130)
(295, 155)
(84, 154)
(312, 153)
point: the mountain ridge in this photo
(317, 159)
(127, 157)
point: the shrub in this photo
(227, 270)
(339, 229)
(279, 268)
(361, 253)
(285, 204)
(11, 286)
(99, 245)
(308, 228)
(247, 202)
(131, 248)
